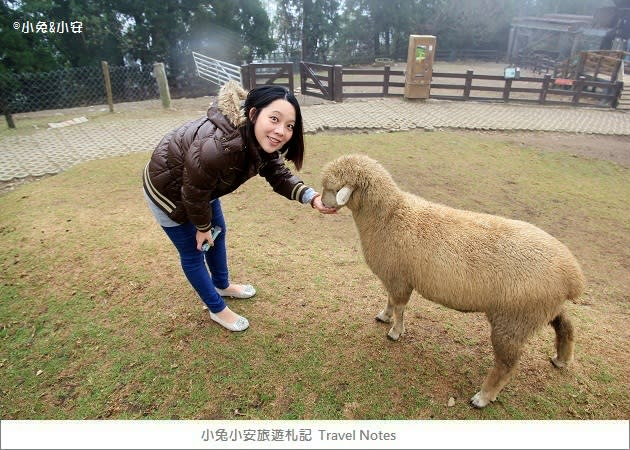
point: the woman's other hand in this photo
(203, 236)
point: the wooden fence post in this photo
(5, 107)
(545, 87)
(616, 71)
(468, 85)
(578, 87)
(160, 76)
(581, 64)
(245, 76)
(617, 92)
(289, 68)
(251, 76)
(7, 114)
(108, 85)
(337, 75)
(386, 81)
(506, 90)
(598, 66)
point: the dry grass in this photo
(97, 320)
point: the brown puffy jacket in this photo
(205, 159)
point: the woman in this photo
(197, 163)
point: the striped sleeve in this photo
(160, 200)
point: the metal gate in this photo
(216, 71)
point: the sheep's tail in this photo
(576, 284)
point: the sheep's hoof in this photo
(381, 317)
(557, 363)
(391, 335)
(478, 402)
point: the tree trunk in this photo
(307, 47)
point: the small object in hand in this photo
(214, 232)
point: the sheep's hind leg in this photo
(507, 351)
(564, 340)
(396, 305)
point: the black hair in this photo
(262, 96)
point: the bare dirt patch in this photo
(603, 147)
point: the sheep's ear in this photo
(343, 195)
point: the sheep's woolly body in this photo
(511, 270)
(483, 257)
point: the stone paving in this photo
(54, 150)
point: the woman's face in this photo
(274, 125)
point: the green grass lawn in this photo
(97, 320)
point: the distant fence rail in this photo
(85, 86)
(472, 54)
(357, 78)
(600, 65)
(68, 88)
(267, 73)
(545, 90)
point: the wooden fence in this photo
(318, 80)
(542, 90)
(387, 80)
(334, 82)
(267, 73)
(601, 65)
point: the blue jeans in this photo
(194, 262)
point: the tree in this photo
(121, 31)
(23, 52)
(288, 28)
(356, 31)
(255, 29)
(100, 36)
(474, 24)
(540, 7)
(149, 31)
(325, 23)
(308, 31)
(307, 27)
(230, 30)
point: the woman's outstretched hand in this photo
(319, 206)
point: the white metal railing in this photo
(216, 71)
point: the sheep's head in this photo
(344, 178)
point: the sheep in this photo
(514, 272)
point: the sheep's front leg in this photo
(385, 315)
(398, 328)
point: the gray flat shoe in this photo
(247, 292)
(241, 324)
